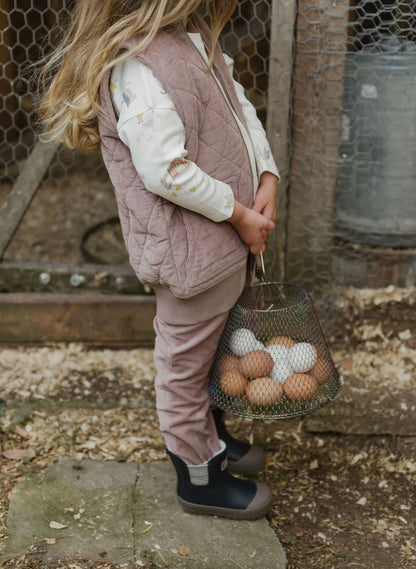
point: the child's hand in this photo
(265, 201)
(251, 226)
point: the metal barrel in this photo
(376, 195)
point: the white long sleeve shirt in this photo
(150, 126)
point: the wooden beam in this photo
(278, 116)
(25, 276)
(321, 43)
(23, 190)
(363, 266)
(91, 318)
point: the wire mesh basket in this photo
(272, 361)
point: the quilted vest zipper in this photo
(246, 137)
(244, 133)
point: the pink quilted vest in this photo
(169, 245)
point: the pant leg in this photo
(187, 336)
(183, 358)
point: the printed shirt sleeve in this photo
(150, 126)
(263, 154)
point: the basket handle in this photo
(266, 280)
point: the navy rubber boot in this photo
(209, 489)
(242, 457)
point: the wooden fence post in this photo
(278, 115)
(18, 200)
(321, 42)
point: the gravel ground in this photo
(341, 501)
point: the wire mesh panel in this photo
(247, 39)
(334, 82)
(351, 195)
(375, 230)
(272, 360)
(75, 193)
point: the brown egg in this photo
(228, 362)
(284, 340)
(257, 363)
(322, 370)
(233, 383)
(300, 387)
(264, 391)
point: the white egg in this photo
(243, 341)
(258, 345)
(302, 357)
(282, 368)
(281, 371)
(278, 352)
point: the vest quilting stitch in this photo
(169, 245)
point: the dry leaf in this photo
(50, 540)
(149, 527)
(183, 550)
(18, 454)
(57, 525)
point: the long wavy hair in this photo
(70, 77)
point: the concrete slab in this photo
(163, 530)
(368, 409)
(128, 512)
(91, 499)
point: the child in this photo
(195, 184)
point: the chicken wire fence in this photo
(333, 81)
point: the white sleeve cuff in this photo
(265, 163)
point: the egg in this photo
(233, 383)
(282, 368)
(228, 362)
(264, 392)
(302, 357)
(283, 340)
(279, 352)
(300, 387)
(242, 341)
(257, 363)
(281, 371)
(322, 370)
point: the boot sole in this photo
(200, 509)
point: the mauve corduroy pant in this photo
(187, 336)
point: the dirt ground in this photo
(341, 500)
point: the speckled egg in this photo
(257, 363)
(302, 357)
(283, 340)
(233, 383)
(242, 341)
(264, 392)
(300, 387)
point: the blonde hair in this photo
(70, 78)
